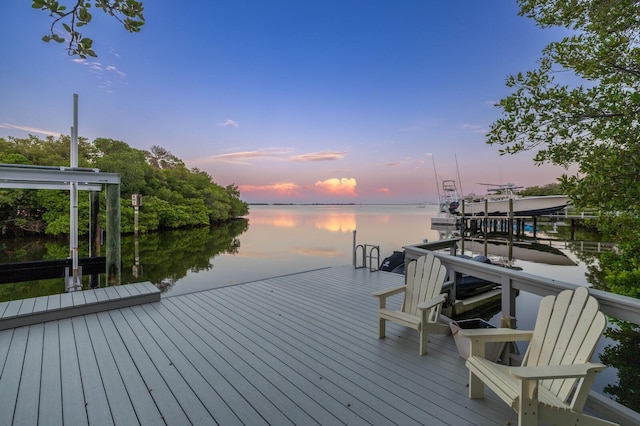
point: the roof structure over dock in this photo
(297, 349)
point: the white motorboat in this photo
(449, 203)
(499, 201)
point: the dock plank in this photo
(66, 300)
(121, 404)
(12, 309)
(48, 308)
(3, 307)
(51, 382)
(190, 402)
(77, 298)
(26, 411)
(95, 394)
(232, 368)
(53, 302)
(26, 307)
(193, 349)
(11, 372)
(74, 401)
(40, 304)
(183, 366)
(162, 394)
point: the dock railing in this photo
(617, 306)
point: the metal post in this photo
(354, 248)
(94, 233)
(74, 284)
(113, 234)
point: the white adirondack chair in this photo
(422, 302)
(556, 375)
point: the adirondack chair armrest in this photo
(496, 334)
(441, 298)
(383, 294)
(544, 372)
(387, 292)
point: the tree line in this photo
(174, 196)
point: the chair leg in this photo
(476, 386)
(382, 328)
(528, 405)
(423, 343)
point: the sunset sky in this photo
(291, 100)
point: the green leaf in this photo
(46, 39)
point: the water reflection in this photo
(163, 258)
(337, 222)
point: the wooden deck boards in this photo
(18, 313)
(298, 349)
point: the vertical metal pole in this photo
(74, 134)
(94, 233)
(510, 220)
(73, 201)
(113, 234)
(354, 248)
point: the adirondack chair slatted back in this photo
(567, 330)
(424, 278)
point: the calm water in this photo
(279, 240)
(286, 239)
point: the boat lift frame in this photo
(13, 176)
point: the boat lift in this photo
(73, 179)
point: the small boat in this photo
(502, 197)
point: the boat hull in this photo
(522, 206)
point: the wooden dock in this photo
(299, 349)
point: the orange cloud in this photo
(384, 190)
(335, 186)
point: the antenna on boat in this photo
(458, 173)
(436, 174)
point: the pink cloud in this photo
(282, 188)
(319, 156)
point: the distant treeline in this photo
(173, 196)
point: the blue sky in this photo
(293, 101)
